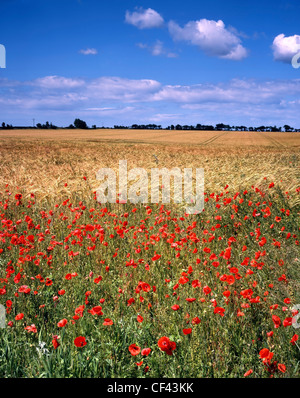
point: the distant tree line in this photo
(140, 127)
(217, 127)
(81, 124)
(227, 127)
(47, 125)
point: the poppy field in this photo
(145, 290)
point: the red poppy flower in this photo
(146, 287)
(248, 373)
(107, 322)
(264, 353)
(287, 322)
(219, 310)
(196, 283)
(206, 290)
(32, 328)
(55, 343)
(276, 320)
(230, 279)
(97, 280)
(187, 331)
(19, 317)
(62, 323)
(134, 349)
(294, 339)
(146, 351)
(79, 310)
(166, 345)
(281, 367)
(80, 341)
(96, 310)
(196, 320)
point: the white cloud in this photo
(121, 89)
(158, 49)
(144, 19)
(58, 82)
(88, 51)
(118, 100)
(235, 91)
(165, 117)
(100, 109)
(210, 36)
(285, 47)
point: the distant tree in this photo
(47, 125)
(3, 125)
(220, 126)
(94, 126)
(52, 126)
(274, 128)
(208, 127)
(71, 126)
(80, 124)
(120, 127)
(288, 128)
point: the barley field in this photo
(42, 161)
(146, 290)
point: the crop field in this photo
(186, 137)
(42, 161)
(146, 290)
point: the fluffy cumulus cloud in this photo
(210, 36)
(88, 51)
(144, 19)
(285, 47)
(116, 100)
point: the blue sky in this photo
(123, 62)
